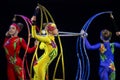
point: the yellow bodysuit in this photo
(50, 53)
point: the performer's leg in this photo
(11, 74)
(18, 69)
(103, 73)
(40, 71)
(112, 75)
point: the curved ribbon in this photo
(61, 51)
(35, 53)
(83, 70)
(28, 42)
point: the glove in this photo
(33, 22)
(111, 16)
(83, 34)
(37, 10)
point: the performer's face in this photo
(106, 35)
(55, 31)
(12, 30)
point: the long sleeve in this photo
(6, 51)
(24, 45)
(91, 47)
(117, 45)
(5, 41)
(39, 37)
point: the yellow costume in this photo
(50, 53)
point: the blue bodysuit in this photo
(106, 51)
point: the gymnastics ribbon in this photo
(27, 20)
(30, 23)
(47, 14)
(35, 53)
(83, 69)
(28, 42)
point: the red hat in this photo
(51, 26)
(15, 25)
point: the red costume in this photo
(12, 48)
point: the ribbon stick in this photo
(35, 53)
(83, 70)
(61, 50)
(64, 34)
(68, 34)
(28, 42)
(45, 14)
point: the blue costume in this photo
(106, 52)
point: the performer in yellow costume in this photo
(49, 46)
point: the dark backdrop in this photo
(69, 15)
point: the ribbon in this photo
(28, 42)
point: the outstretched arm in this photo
(39, 37)
(91, 47)
(87, 44)
(117, 45)
(24, 45)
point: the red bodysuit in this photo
(12, 48)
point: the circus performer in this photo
(106, 52)
(49, 46)
(12, 45)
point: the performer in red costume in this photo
(12, 46)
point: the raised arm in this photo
(34, 34)
(39, 37)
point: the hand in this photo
(36, 42)
(37, 11)
(111, 15)
(12, 60)
(118, 33)
(7, 34)
(83, 34)
(37, 8)
(33, 19)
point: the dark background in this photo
(70, 16)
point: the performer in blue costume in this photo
(106, 52)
